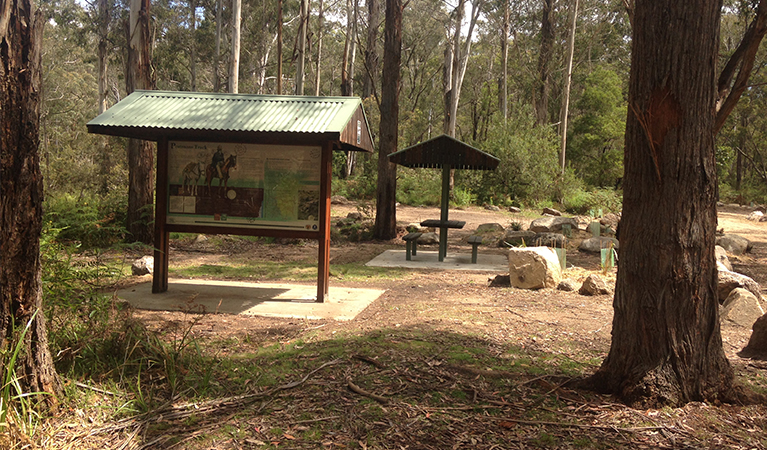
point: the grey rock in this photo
(489, 228)
(354, 216)
(534, 268)
(551, 224)
(514, 209)
(728, 280)
(742, 308)
(596, 244)
(734, 244)
(551, 212)
(757, 344)
(491, 207)
(755, 216)
(550, 240)
(428, 239)
(567, 285)
(338, 200)
(594, 285)
(518, 238)
(721, 256)
(143, 266)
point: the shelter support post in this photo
(323, 276)
(161, 235)
(443, 211)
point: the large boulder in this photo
(534, 268)
(428, 239)
(734, 244)
(143, 266)
(721, 257)
(757, 344)
(741, 307)
(555, 240)
(728, 280)
(610, 220)
(519, 238)
(489, 228)
(551, 224)
(596, 244)
(756, 216)
(594, 285)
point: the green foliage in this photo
(528, 167)
(419, 187)
(89, 221)
(581, 201)
(596, 143)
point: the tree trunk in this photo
(217, 62)
(386, 198)
(21, 198)
(300, 62)
(345, 78)
(320, 19)
(234, 68)
(504, 90)
(103, 43)
(544, 57)
(565, 111)
(371, 53)
(193, 43)
(666, 345)
(140, 153)
(279, 47)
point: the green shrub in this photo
(419, 187)
(582, 201)
(89, 221)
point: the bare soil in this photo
(442, 306)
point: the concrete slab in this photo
(430, 260)
(271, 300)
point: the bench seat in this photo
(410, 244)
(475, 242)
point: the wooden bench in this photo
(475, 242)
(410, 244)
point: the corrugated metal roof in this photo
(444, 150)
(153, 114)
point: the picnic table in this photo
(443, 226)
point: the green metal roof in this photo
(154, 115)
(443, 151)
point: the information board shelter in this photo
(257, 165)
(446, 153)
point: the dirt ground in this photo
(459, 301)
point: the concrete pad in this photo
(233, 297)
(430, 260)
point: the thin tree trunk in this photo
(279, 47)
(460, 61)
(320, 19)
(544, 57)
(103, 43)
(504, 89)
(304, 21)
(193, 43)
(371, 53)
(565, 111)
(21, 198)
(140, 153)
(345, 78)
(234, 68)
(666, 342)
(386, 209)
(353, 46)
(216, 74)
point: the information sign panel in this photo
(244, 185)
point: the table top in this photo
(435, 223)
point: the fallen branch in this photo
(365, 393)
(576, 425)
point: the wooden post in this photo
(443, 211)
(161, 236)
(323, 274)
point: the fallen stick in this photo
(365, 393)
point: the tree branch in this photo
(739, 67)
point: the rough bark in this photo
(386, 210)
(544, 57)
(216, 75)
(371, 52)
(21, 196)
(140, 153)
(666, 346)
(193, 43)
(301, 60)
